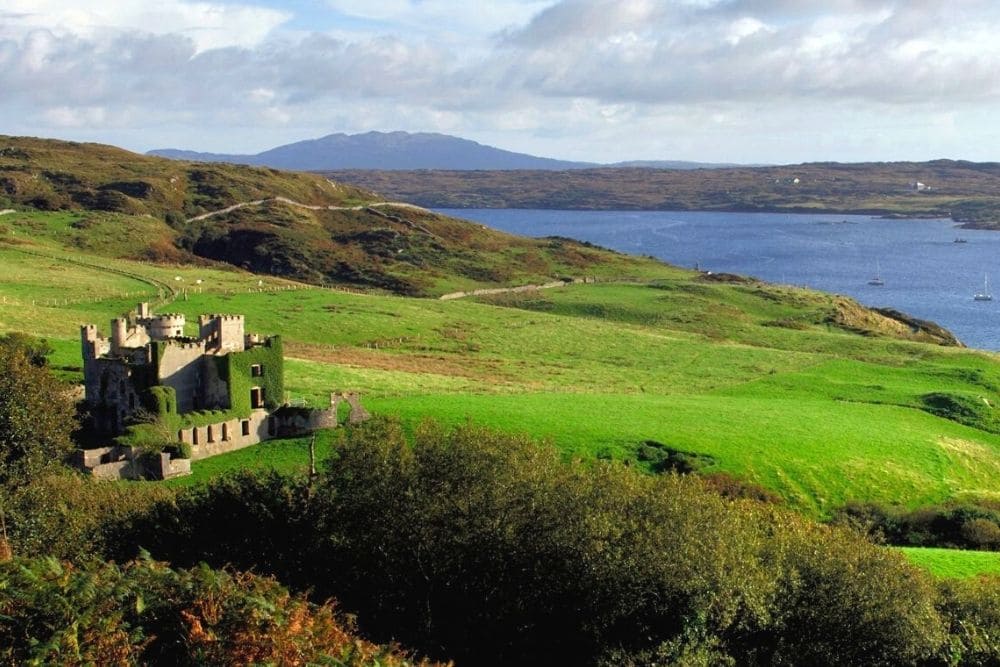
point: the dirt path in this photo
(503, 290)
(311, 207)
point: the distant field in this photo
(765, 380)
(953, 563)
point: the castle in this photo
(223, 368)
(149, 370)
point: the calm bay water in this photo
(926, 273)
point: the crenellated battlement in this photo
(147, 365)
(186, 344)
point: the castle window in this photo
(180, 435)
(211, 433)
(256, 397)
(225, 431)
(245, 425)
(194, 436)
(256, 371)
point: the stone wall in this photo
(290, 422)
(116, 463)
(110, 393)
(227, 436)
(225, 333)
(180, 368)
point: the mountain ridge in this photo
(405, 151)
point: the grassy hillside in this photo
(811, 396)
(966, 191)
(806, 394)
(60, 175)
(954, 563)
(301, 226)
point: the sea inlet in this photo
(924, 271)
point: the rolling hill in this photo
(964, 191)
(293, 225)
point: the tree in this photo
(36, 415)
(37, 350)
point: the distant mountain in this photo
(382, 150)
(392, 151)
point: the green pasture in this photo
(287, 455)
(954, 563)
(754, 376)
(816, 454)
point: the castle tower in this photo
(162, 327)
(223, 333)
(119, 333)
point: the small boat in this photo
(985, 294)
(959, 239)
(877, 280)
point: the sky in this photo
(748, 81)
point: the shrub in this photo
(982, 533)
(252, 520)
(36, 416)
(972, 609)
(490, 549)
(146, 613)
(184, 450)
(70, 516)
(952, 526)
(843, 601)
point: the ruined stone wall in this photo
(290, 422)
(92, 344)
(110, 393)
(115, 463)
(226, 436)
(124, 336)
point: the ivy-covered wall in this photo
(161, 400)
(236, 369)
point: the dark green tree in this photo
(36, 415)
(37, 350)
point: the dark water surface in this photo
(926, 273)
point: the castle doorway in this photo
(256, 397)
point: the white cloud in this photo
(208, 24)
(76, 116)
(459, 20)
(534, 75)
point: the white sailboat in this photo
(985, 294)
(877, 280)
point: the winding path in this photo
(311, 207)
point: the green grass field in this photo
(288, 455)
(758, 377)
(953, 563)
